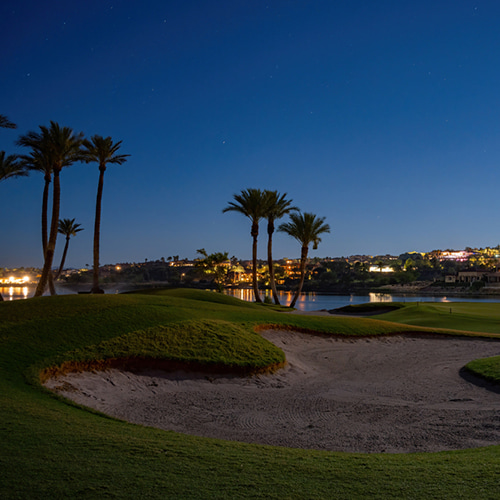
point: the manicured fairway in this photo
(53, 449)
(472, 316)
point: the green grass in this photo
(50, 448)
(488, 368)
(207, 344)
(470, 316)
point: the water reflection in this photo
(284, 297)
(311, 301)
(307, 301)
(15, 292)
(380, 297)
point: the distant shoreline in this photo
(406, 290)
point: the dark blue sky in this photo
(382, 116)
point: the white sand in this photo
(392, 394)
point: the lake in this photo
(308, 301)
(311, 301)
(16, 292)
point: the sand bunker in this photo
(391, 394)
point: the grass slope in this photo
(53, 449)
(470, 316)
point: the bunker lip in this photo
(140, 364)
(394, 394)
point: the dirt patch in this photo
(392, 394)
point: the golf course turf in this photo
(51, 448)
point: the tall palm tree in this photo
(62, 147)
(305, 228)
(252, 204)
(277, 206)
(68, 228)
(42, 162)
(10, 167)
(101, 150)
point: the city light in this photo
(12, 280)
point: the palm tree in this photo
(61, 147)
(305, 228)
(41, 162)
(277, 206)
(102, 151)
(68, 228)
(252, 204)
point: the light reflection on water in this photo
(308, 301)
(26, 292)
(15, 292)
(312, 301)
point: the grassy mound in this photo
(213, 345)
(488, 368)
(53, 449)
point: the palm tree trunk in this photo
(63, 257)
(51, 244)
(270, 230)
(45, 210)
(97, 233)
(303, 261)
(255, 233)
(45, 204)
(52, 287)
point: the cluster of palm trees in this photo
(306, 228)
(50, 150)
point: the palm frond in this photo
(102, 150)
(305, 228)
(10, 167)
(6, 123)
(68, 227)
(55, 145)
(250, 202)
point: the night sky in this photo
(382, 116)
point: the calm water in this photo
(26, 292)
(312, 301)
(16, 292)
(309, 301)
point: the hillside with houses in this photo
(472, 270)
